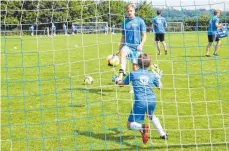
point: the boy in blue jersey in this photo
(65, 29)
(159, 24)
(212, 29)
(31, 29)
(53, 29)
(132, 41)
(145, 100)
(73, 29)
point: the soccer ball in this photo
(88, 80)
(113, 60)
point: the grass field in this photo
(46, 105)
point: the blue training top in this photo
(31, 28)
(133, 29)
(160, 24)
(142, 82)
(212, 29)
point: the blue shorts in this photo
(139, 110)
(132, 54)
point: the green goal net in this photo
(45, 104)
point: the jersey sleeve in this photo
(127, 80)
(123, 28)
(156, 81)
(142, 26)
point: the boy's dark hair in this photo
(144, 61)
(159, 12)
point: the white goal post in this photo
(91, 27)
(175, 27)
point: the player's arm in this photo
(165, 23)
(126, 81)
(143, 32)
(218, 25)
(154, 25)
(157, 82)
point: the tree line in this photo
(43, 13)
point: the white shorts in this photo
(132, 54)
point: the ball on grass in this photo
(88, 80)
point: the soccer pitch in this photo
(46, 105)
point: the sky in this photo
(190, 4)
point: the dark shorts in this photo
(212, 38)
(159, 37)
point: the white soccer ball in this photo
(113, 60)
(88, 80)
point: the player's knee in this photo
(209, 44)
(153, 118)
(123, 53)
(218, 43)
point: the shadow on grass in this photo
(114, 137)
(117, 137)
(94, 91)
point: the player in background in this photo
(159, 24)
(145, 100)
(105, 29)
(113, 29)
(212, 29)
(73, 29)
(47, 28)
(53, 29)
(65, 29)
(31, 29)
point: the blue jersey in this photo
(212, 29)
(113, 28)
(64, 27)
(105, 27)
(159, 24)
(73, 28)
(133, 29)
(53, 27)
(31, 28)
(142, 82)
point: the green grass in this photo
(46, 106)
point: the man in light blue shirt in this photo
(212, 30)
(105, 29)
(73, 29)
(65, 29)
(132, 41)
(31, 29)
(159, 24)
(113, 29)
(53, 29)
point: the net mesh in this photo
(45, 104)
